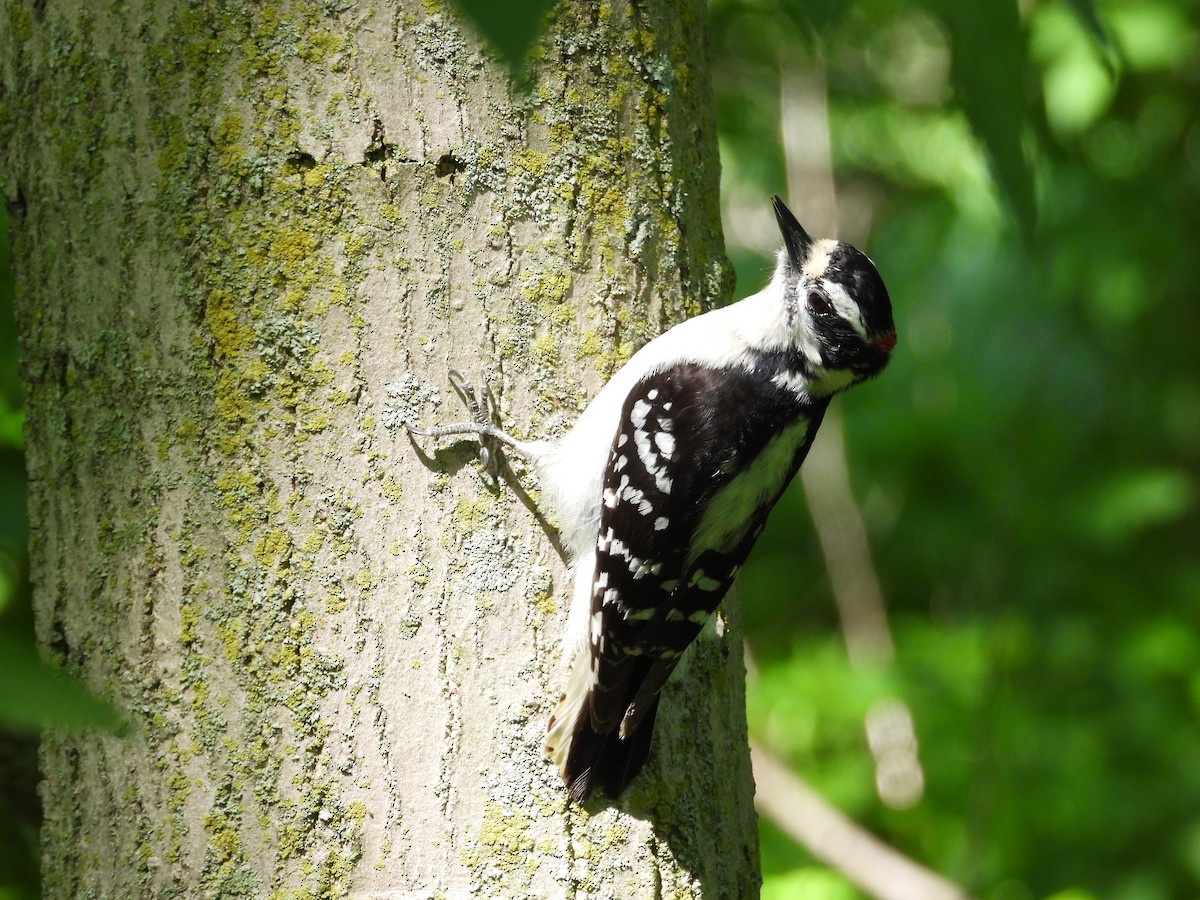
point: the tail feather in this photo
(587, 758)
(607, 760)
(571, 706)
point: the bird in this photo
(665, 481)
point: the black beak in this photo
(795, 238)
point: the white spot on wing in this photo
(641, 440)
(642, 569)
(665, 443)
(638, 414)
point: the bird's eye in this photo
(817, 303)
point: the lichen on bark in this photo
(238, 226)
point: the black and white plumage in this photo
(666, 480)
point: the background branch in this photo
(835, 839)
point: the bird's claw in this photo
(478, 404)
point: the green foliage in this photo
(42, 695)
(808, 882)
(33, 694)
(1029, 464)
(988, 70)
(14, 530)
(18, 755)
(509, 28)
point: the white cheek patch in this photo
(845, 306)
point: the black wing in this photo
(686, 435)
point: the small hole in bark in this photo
(448, 166)
(14, 206)
(379, 153)
(301, 161)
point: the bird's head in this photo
(838, 308)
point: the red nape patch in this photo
(885, 342)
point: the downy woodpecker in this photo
(665, 482)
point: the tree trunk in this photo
(247, 237)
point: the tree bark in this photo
(247, 238)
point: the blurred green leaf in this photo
(35, 694)
(989, 71)
(933, 148)
(1130, 502)
(19, 851)
(1191, 849)
(813, 16)
(511, 27)
(807, 884)
(1153, 35)
(1077, 86)
(1086, 10)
